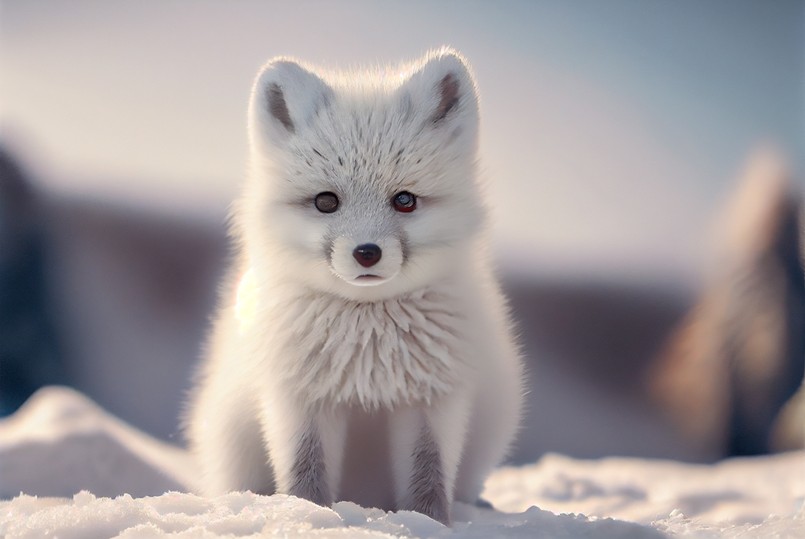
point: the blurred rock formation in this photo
(738, 356)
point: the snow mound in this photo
(61, 443)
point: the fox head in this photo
(363, 184)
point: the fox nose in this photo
(367, 254)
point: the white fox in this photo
(363, 350)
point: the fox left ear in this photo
(442, 90)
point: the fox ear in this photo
(285, 99)
(442, 90)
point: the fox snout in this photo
(366, 262)
(367, 254)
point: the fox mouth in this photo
(364, 279)
(368, 279)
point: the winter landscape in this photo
(77, 472)
(613, 140)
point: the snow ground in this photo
(60, 447)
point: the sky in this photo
(612, 131)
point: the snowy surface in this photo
(60, 443)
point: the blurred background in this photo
(613, 135)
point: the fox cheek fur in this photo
(362, 349)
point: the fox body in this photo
(362, 350)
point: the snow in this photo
(60, 442)
(744, 490)
(86, 474)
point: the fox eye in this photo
(326, 202)
(404, 202)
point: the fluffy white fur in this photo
(338, 388)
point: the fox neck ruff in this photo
(330, 351)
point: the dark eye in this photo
(326, 202)
(404, 202)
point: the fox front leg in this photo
(305, 450)
(308, 475)
(427, 448)
(427, 492)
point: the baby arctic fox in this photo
(362, 350)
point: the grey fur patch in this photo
(398, 157)
(405, 245)
(448, 97)
(426, 492)
(308, 474)
(278, 108)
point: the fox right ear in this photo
(285, 99)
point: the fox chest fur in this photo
(332, 351)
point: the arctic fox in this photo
(362, 350)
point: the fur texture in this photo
(316, 360)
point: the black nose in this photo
(367, 254)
